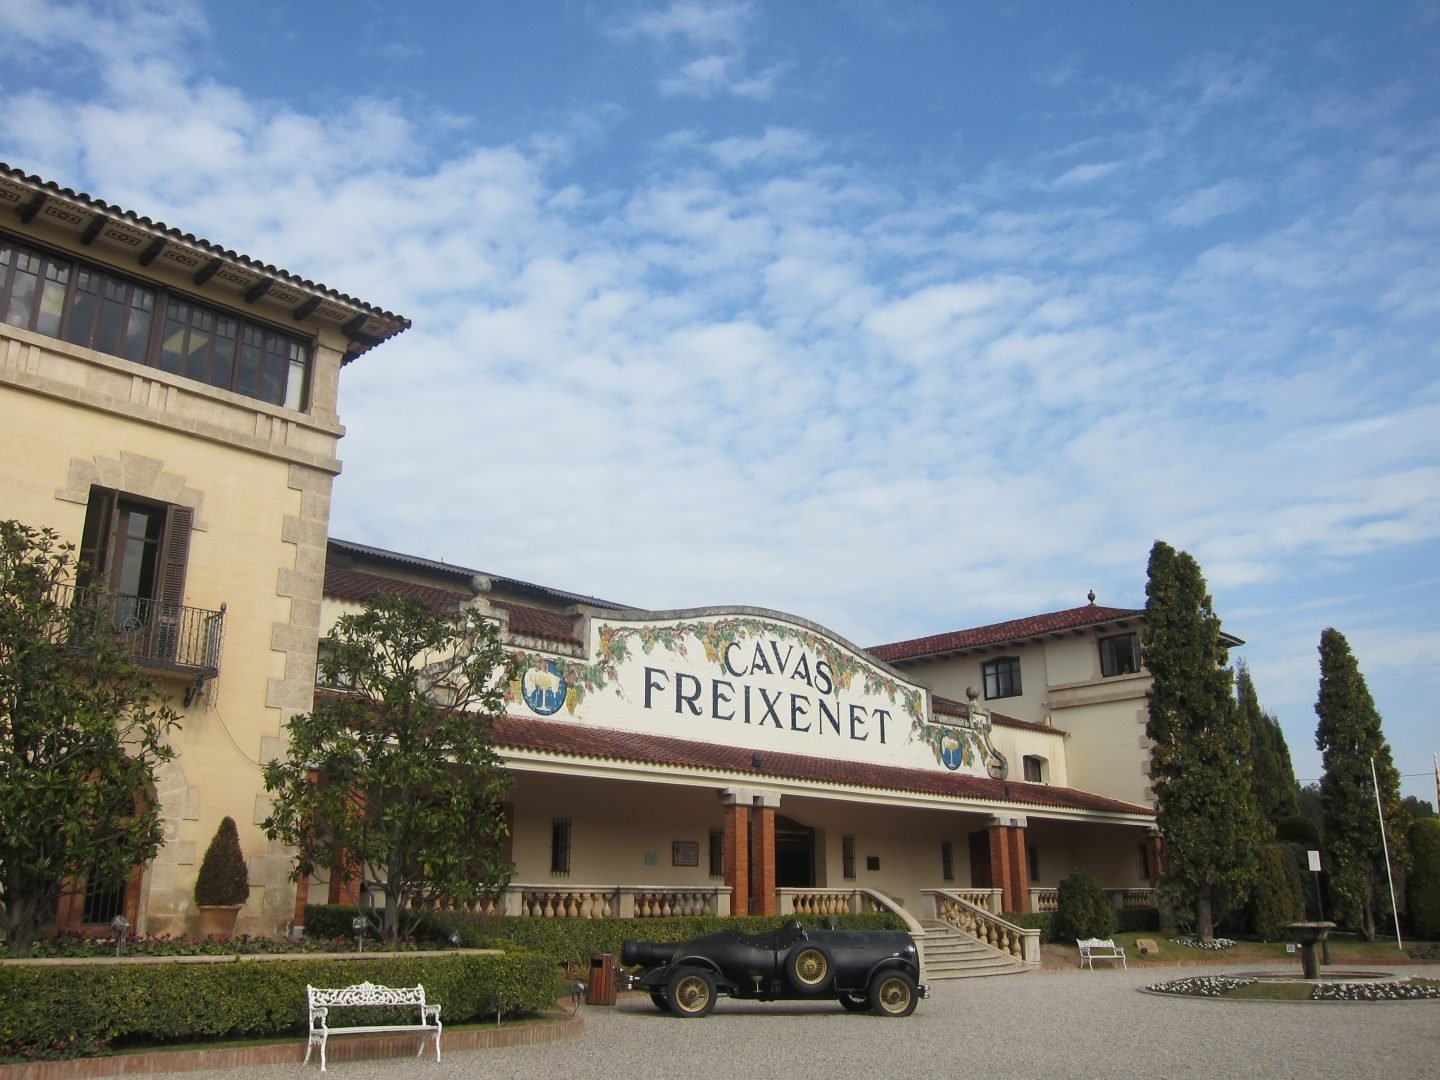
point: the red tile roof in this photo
(359, 586)
(537, 622)
(603, 744)
(1016, 630)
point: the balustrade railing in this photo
(1120, 899)
(952, 907)
(603, 901)
(168, 637)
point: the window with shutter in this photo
(138, 551)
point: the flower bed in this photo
(1223, 986)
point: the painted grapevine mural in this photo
(736, 647)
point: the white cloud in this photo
(762, 367)
(1208, 203)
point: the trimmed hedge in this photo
(572, 942)
(1033, 920)
(1137, 920)
(41, 1005)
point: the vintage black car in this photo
(874, 969)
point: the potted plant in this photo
(223, 884)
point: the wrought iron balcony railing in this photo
(159, 636)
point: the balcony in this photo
(160, 637)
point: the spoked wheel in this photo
(811, 969)
(892, 993)
(854, 1002)
(691, 992)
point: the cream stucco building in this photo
(745, 760)
(169, 407)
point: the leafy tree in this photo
(1349, 738)
(1082, 910)
(82, 734)
(1422, 889)
(1200, 767)
(1416, 809)
(1272, 775)
(1308, 801)
(1279, 895)
(394, 778)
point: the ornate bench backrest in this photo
(366, 993)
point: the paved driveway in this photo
(1048, 1026)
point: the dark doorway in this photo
(980, 861)
(794, 854)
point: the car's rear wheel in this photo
(892, 993)
(811, 969)
(691, 992)
(854, 1002)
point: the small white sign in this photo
(1291, 948)
(1314, 861)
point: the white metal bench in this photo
(368, 995)
(1092, 949)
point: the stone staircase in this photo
(950, 954)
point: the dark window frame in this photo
(1033, 763)
(1120, 655)
(97, 307)
(717, 853)
(1002, 677)
(560, 840)
(947, 860)
(847, 857)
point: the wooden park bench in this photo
(367, 995)
(1092, 949)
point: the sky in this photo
(903, 317)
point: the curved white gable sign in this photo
(747, 678)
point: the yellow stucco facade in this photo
(255, 475)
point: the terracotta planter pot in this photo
(218, 921)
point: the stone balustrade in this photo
(985, 926)
(1120, 899)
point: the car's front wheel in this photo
(658, 999)
(892, 993)
(854, 1002)
(691, 992)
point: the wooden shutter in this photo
(95, 542)
(170, 581)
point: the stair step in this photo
(950, 954)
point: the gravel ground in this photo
(1046, 1025)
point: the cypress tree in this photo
(1200, 766)
(1272, 775)
(1348, 737)
(1422, 887)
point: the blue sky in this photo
(903, 317)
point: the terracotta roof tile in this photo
(537, 622)
(548, 736)
(359, 586)
(1004, 632)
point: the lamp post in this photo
(358, 925)
(118, 926)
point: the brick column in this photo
(764, 861)
(737, 856)
(1000, 854)
(1019, 870)
(1010, 862)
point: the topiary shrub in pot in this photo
(223, 884)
